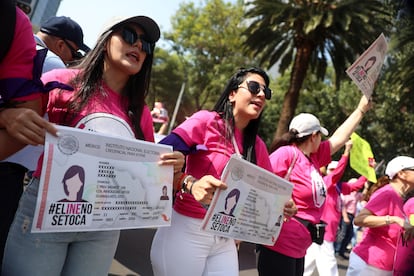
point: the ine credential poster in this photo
(366, 69)
(251, 208)
(92, 181)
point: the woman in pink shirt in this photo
(403, 264)
(383, 217)
(322, 257)
(111, 84)
(209, 138)
(302, 147)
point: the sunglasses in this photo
(131, 37)
(254, 87)
(75, 54)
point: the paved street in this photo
(132, 257)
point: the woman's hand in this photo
(365, 104)
(204, 188)
(175, 158)
(290, 209)
(348, 147)
(26, 125)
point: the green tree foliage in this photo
(167, 78)
(308, 34)
(402, 47)
(388, 127)
(208, 38)
(207, 48)
(391, 132)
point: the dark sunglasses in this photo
(131, 37)
(75, 54)
(254, 87)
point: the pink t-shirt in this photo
(309, 193)
(404, 256)
(332, 210)
(331, 213)
(205, 130)
(18, 63)
(377, 247)
(350, 202)
(104, 114)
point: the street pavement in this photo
(132, 256)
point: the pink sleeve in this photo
(193, 130)
(379, 202)
(18, 63)
(335, 176)
(409, 207)
(347, 187)
(281, 160)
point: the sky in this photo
(92, 14)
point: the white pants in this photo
(321, 257)
(183, 249)
(358, 267)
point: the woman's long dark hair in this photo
(225, 109)
(288, 138)
(90, 81)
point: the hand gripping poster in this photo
(251, 208)
(91, 182)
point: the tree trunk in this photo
(298, 75)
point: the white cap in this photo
(149, 26)
(398, 164)
(306, 124)
(332, 165)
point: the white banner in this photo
(366, 69)
(251, 208)
(92, 181)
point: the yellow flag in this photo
(362, 159)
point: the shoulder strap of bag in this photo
(295, 156)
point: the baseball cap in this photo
(306, 124)
(398, 164)
(332, 165)
(65, 27)
(148, 25)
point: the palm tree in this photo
(402, 45)
(310, 33)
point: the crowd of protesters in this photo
(46, 80)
